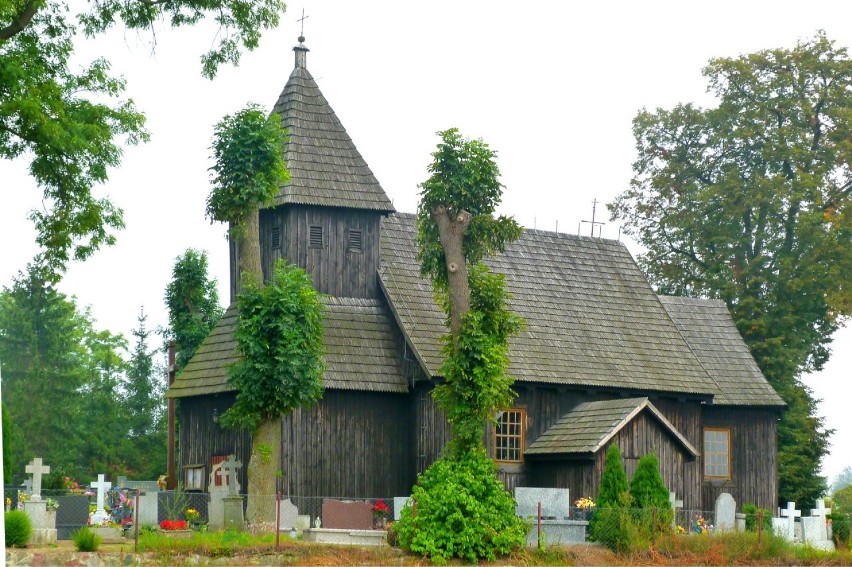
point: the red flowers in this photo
(380, 508)
(173, 524)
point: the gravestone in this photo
(347, 514)
(555, 502)
(37, 469)
(28, 487)
(288, 513)
(399, 503)
(815, 529)
(148, 512)
(726, 509)
(790, 513)
(99, 515)
(779, 526)
(676, 505)
(72, 514)
(225, 509)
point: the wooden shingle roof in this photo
(711, 333)
(360, 352)
(592, 319)
(588, 427)
(325, 166)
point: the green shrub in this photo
(18, 528)
(613, 480)
(750, 511)
(615, 528)
(649, 493)
(86, 540)
(840, 528)
(462, 510)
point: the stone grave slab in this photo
(780, 527)
(72, 514)
(149, 509)
(555, 502)
(347, 514)
(726, 509)
(399, 503)
(813, 530)
(216, 509)
(288, 513)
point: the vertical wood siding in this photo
(336, 270)
(754, 460)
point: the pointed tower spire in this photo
(301, 53)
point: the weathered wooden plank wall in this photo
(352, 444)
(200, 439)
(336, 268)
(754, 472)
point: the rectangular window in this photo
(354, 240)
(276, 237)
(315, 237)
(717, 453)
(509, 436)
(193, 477)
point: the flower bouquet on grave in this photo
(193, 518)
(585, 507)
(380, 510)
(173, 525)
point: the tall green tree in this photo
(279, 340)
(61, 379)
(248, 171)
(8, 464)
(146, 439)
(613, 480)
(192, 300)
(71, 124)
(462, 508)
(749, 202)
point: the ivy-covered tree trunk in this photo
(263, 467)
(248, 246)
(451, 231)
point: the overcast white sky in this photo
(552, 86)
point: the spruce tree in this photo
(613, 480)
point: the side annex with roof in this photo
(602, 359)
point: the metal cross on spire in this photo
(302, 21)
(593, 222)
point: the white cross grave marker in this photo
(791, 514)
(231, 466)
(102, 486)
(821, 512)
(676, 505)
(37, 469)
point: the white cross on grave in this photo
(102, 486)
(820, 510)
(791, 514)
(676, 505)
(231, 466)
(37, 469)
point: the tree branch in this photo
(20, 23)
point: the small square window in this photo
(315, 237)
(717, 453)
(193, 477)
(509, 436)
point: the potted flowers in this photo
(584, 508)
(380, 510)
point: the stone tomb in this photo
(347, 522)
(148, 512)
(227, 492)
(43, 520)
(347, 514)
(555, 525)
(726, 509)
(288, 514)
(814, 527)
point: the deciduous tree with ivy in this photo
(279, 327)
(193, 304)
(462, 507)
(751, 202)
(72, 124)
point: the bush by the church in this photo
(462, 510)
(751, 514)
(86, 539)
(650, 495)
(18, 528)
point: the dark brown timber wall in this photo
(352, 444)
(754, 460)
(338, 267)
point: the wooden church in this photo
(602, 360)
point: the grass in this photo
(241, 548)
